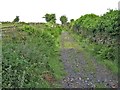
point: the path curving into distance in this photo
(82, 71)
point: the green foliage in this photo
(50, 18)
(72, 20)
(102, 33)
(63, 19)
(29, 56)
(28, 29)
(16, 19)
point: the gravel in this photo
(82, 72)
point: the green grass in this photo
(10, 24)
(112, 66)
(56, 67)
(100, 85)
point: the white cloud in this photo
(34, 10)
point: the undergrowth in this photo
(96, 51)
(31, 57)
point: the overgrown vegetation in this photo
(31, 57)
(99, 35)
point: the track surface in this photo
(83, 71)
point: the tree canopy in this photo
(63, 19)
(16, 19)
(50, 18)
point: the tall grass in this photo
(31, 58)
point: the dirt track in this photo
(83, 71)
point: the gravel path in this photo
(81, 71)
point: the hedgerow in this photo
(102, 31)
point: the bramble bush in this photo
(102, 32)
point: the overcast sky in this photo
(34, 10)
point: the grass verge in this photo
(89, 49)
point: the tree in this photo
(53, 18)
(72, 20)
(16, 19)
(71, 23)
(63, 19)
(50, 18)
